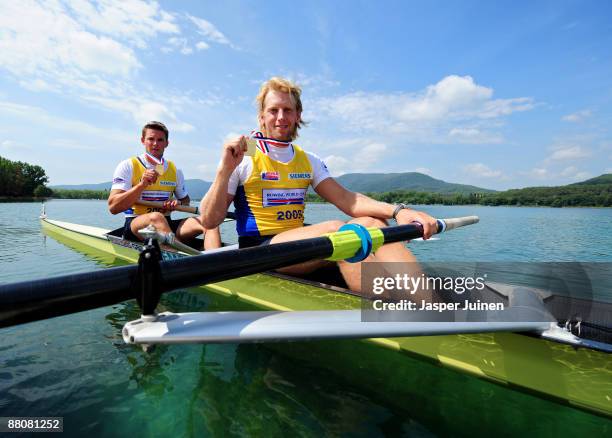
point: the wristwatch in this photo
(398, 207)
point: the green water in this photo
(78, 367)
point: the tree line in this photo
(19, 179)
(589, 195)
(79, 194)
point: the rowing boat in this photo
(578, 377)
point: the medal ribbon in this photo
(159, 165)
(264, 143)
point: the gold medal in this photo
(251, 147)
(160, 169)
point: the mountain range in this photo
(360, 182)
(365, 182)
(418, 182)
(196, 188)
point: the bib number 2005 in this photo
(289, 214)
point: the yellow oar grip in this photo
(347, 243)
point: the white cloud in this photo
(539, 173)
(545, 174)
(231, 136)
(450, 97)
(315, 83)
(72, 144)
(201, 45)
(372, 152)
(10, 144)
(86, 51)
(569, 152)
(424, 170)
(481, 170)
(209, 31)
(338, 165)
(473, 136)
(37, 85)
(142, 109)
(425, 116)
(207, 171)
(580, 176)
(363, 156)
(45, 42)
(578, 116)
(571, 170)
(573, 173)
(180, 44)
(135, 21)
(41, 117)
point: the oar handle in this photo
(456, 222)
(160, 205)
(185, 208)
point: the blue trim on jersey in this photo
(245, 219)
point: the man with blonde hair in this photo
(150, 177)
(268, 188)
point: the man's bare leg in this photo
(156, 218)
(306, 233)
(398, 258)
(212, 238)
(191, 227)
(392, 252)
(351, 272)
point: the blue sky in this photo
(499, 94)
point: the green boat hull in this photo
(524, 373)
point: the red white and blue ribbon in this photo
(159, 164)
(264, 143)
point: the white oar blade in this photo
(241, 327)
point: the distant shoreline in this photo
(12, 200)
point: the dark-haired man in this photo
(150, 177)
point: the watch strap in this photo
(398, 207)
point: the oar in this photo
(39, 299)
(271, 326)
(160, 205)
(184, 208)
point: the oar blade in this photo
(245, 327)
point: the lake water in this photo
(78, 367)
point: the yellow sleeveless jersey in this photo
(161, 191)
(272, 198)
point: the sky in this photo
(501, 94)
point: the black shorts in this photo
(248, 241)
(127, 230)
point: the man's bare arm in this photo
(352, 203)
(121, 200)
(359, 205)
(216, 202)
(214, 205)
